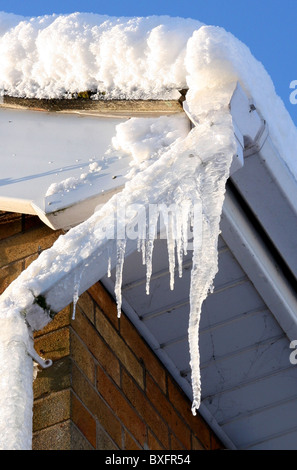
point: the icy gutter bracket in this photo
(250, 129)
(44, 363)
(238, 158)
(247, 122)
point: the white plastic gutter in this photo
(259, 265)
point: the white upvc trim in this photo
(259, 265)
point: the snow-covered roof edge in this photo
(211, 61)
(134, 58)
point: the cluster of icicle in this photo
(189, 173)
(182, 184)
(184, 187)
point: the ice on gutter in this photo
(190, 172)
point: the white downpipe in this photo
(16, 378)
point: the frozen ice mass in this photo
(139, 58)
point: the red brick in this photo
(120, 348)
(196, 444)
(143, 352)
(183, 406)
(11, 227)
(139, 401)
(153, 443)
(31, 222)
(85, 302)
(130, 443)
(96, 346)
(121, 406)
(51, 410)
(215, 443)
(60, 320)
(62, 436)
(105, 302)
(25, 244)
(53, 379)
(96, 406)
(104, 442)
(82, 357)
(78, 440)
(168, 413)
(9, 273)
(27, 261)
(57, 437)
(83, 420)
(175, 444)
(54, 345)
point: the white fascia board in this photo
(270, 190)
(39, 149)
(18, 205)
(259, 265)
(72, 215)
(246, 124)
(264, 181)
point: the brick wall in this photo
(106, 388)
(22, 238)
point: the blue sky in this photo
(268, 27)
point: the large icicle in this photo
(205, 238)
(188, 183)
(153, 217)
(121, 246)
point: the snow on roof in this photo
(134, 58)
(137, 58)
